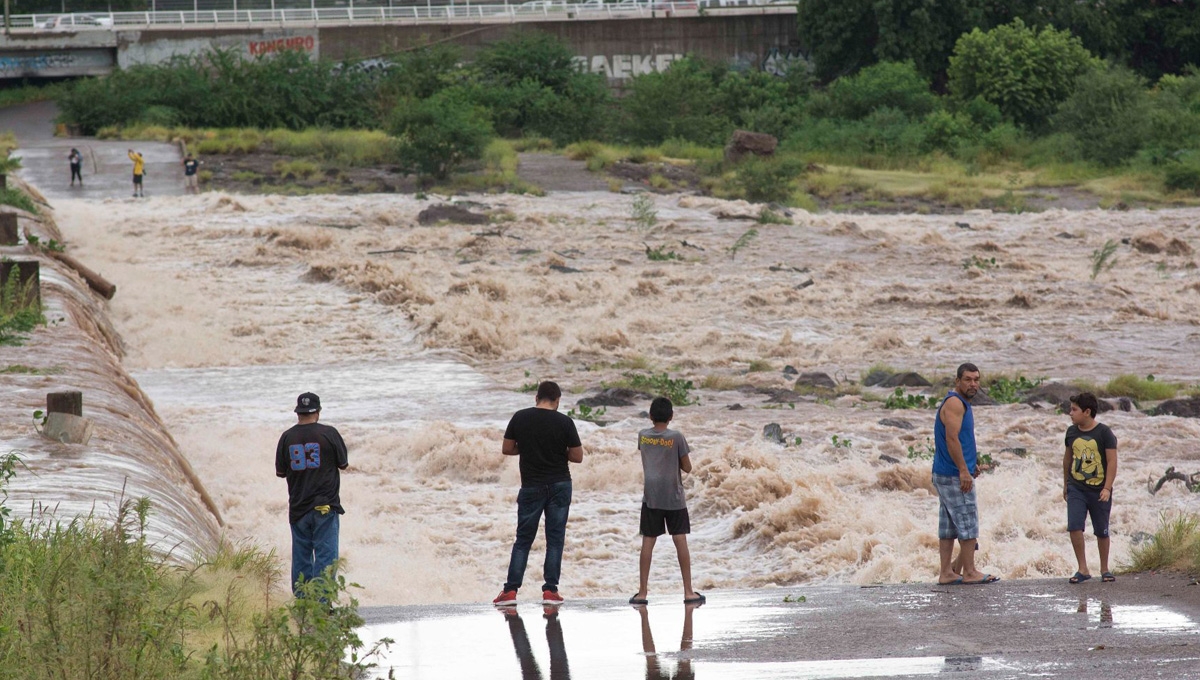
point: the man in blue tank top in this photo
(954, 472)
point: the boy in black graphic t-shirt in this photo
(310, 456)
(1089, 470)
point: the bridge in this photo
(618, 39)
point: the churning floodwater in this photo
(229, 306)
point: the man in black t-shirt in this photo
(545, 440)
(310, 456)
(1089, 470)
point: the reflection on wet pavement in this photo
(1015, 631)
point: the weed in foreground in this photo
(1175, 546)
(1102, 258)
(643, 213)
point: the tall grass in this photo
(1139, 389)
(1175, 546)
(93, 598)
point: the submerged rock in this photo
(450, 213)
(898, 423)
(614, 396)
(1188, 407)
(906, 379)
(773, 432)
(816, 379)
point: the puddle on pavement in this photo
(534, 642)
(1131, 618)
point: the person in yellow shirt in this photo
(139, 170)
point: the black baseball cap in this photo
(308, 403)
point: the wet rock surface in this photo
(454, 214)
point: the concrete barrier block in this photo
(67, 428)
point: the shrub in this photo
(1176, 546)
(680, 103)
(297, 169)
(767, 180)
(1182, 177)
(438, 135)
(1139, 389)
(1108, 112)
(1024, 72)
(888, 84)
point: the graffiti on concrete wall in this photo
(625, 66)
(58, 63)
(303, 43)
(159, 49)
(778, 63)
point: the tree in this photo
(438, 135)
(1109, 113)
(1024, 72)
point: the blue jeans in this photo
(314, 544)
(555, 501)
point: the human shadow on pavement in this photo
(654, 670)
(559, 670)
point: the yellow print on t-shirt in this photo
(1087, 465)
(646, 440)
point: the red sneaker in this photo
(551, 597)
(506, 598)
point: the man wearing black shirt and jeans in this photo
(544, 440)
(310, 456)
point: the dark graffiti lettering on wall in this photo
(35, 62)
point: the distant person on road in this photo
(954, 471)
(139, 171)
(1089, 470)
(190, 166)
(76, 160)
(311, 457)
(665, 457)
(545, 442)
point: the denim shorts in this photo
(1082, 502)
(958, 516)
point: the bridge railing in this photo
(372, 12)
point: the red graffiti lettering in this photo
(306, 43)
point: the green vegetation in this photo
(955, 103)
(585, 412)
(1175, 546)
(742, 241)
(924, 452)
(840, 442)
(979, 262)
(20, 308)
(93, 598)
(643, 213)
(661, 254)
(899, 400)
(1010, 390)
(678, 390)
(1102, 258)
(1139, 389)
(17, 199)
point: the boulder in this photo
(773, 432)
(1052, 393)
(888, 459)
(876, 377)
(906, 379)
(816, 379)
(449, 213)
(784, 397)
(614, 396)
(1154, 242)
(898, 423)
(1115, 404)
(790, 370)
(1188, 407)
(982, 398)
(744, 142)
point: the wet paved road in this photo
(1139, 627)
(107, 170)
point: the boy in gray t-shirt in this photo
(664, 459)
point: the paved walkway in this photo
(1139, 627)
(107, 170)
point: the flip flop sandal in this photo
(638, 600)
(1079, 578)
(1108, 577)
(699, 599)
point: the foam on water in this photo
(232, 305)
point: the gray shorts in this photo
(958, 517)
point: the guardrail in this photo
(106, 21)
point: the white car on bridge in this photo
(75, 22)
